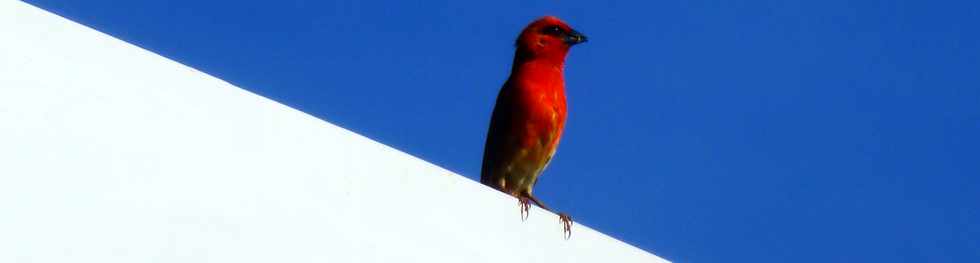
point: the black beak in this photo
(574, 37)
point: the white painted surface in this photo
(110, 153)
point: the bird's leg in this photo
(566, 221)
(525, 207)
(566, 224)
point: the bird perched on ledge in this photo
(530, 113)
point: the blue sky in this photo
(702, 131)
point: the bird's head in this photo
(547, 37)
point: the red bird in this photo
(530, 114)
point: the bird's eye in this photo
(553, 30)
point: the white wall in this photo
(110, 153)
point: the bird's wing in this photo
(502, 144)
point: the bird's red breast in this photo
(530, 112)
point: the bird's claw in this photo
(525, 208)
(566, 224)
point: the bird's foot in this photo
(566, 224)
(525, 207)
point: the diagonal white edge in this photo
(111, 153)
